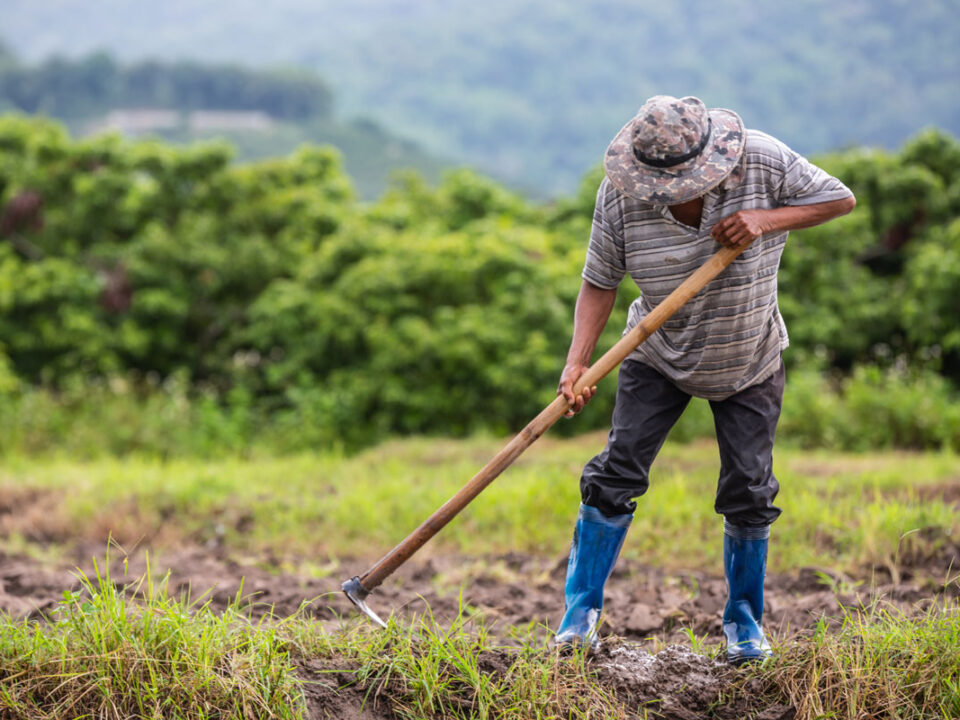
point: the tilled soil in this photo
(642, 604)
(673, 684)
(510, 590)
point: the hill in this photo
(531, 91)
(261, 112)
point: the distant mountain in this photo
(262, 113)
(532, 90)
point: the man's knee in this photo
(647, 407)
(610, 485)
(746, 499)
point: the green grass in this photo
(881, 663)
(841, 511)
(105, 655)
(458, 670)
(106, 658)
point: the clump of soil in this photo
(678, 684)
(330, 690)
(673, 684)
(28, 589)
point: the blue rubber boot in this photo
(597, 540)
(745, 563)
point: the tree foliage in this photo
(436, 309)
(91, 86)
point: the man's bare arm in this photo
(594, 305)
(747, 225)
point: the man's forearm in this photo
(746, 225)
(594, 305)
(797, 217)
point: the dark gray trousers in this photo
(647, 407)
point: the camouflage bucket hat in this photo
(674, 150)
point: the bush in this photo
(872, 408)
(267, 297)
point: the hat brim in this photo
(689, 180)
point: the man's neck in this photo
(689, 212)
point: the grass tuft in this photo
(115, 650)
(428, 670)
(880, 663)
(101, 655)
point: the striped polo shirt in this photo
(730, 335)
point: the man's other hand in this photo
(572, 373)
(740, 228)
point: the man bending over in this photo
(681, 179)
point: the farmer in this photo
(681, 179)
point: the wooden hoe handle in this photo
(547, 417)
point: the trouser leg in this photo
(647, 406)
(746, 426)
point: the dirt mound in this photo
(331, 691)
(677, 684)
(673, 684)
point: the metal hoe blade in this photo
(357, 594)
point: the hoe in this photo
(358, 588)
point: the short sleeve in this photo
(606, 265)
(806, 184)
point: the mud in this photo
(673, 684)
(679, 684)
(509, 590)
(330, 691)
(646, 609)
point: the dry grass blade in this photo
(880, 663)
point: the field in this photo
(226, 387)
(188, 588)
